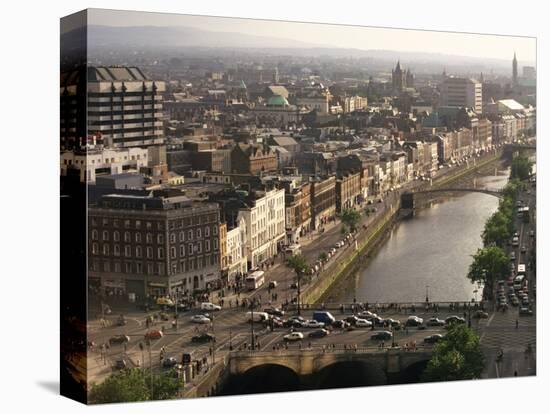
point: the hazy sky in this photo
(475, 45)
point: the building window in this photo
(199, 262)
(138, 237)
(199, 247)
(172, 237)
(127, 251)
(138, 224)
(190, 235)
(160, 253)
(127, 224)
(139, 268)
(149, 252)
(182, 236)
(182, 266)
(105, 222)
(128, 267)
(149, 238)
(174, 268)
(105, 235)
(215, 230)
(215, 244)
(207, 231)
(190, 248)
(148, 225)
(115, 223)
(106, 250)
(106, 266)
(160, 225)
(117, 267)
(116, 250)
(138, 251)
(127, 237)
(207, 245)
(94, 221)
(94, 235)
(173, 252)
(160, 238)
(199, 233)
(149, 268)
(95, 248)
(160, 268)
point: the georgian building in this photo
(236, 251)
(323, 201)
(153, 244)
(348, 191)
(298, 212)
(253, 159)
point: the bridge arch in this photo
(350, 373)
(411, 371)
(268, 377)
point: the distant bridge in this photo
(408, 198)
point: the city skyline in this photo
(340, 36)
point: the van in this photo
(257, 316)
(324, 316)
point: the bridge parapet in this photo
(310, 361)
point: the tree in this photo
(299, 264)
(458, 356)
(323, 256)
(490, 264)
(351, 218)
(521, 168)
(497, 229)
(135, 385)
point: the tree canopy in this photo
(351, 218)
(489, 264)
(298, 263)
(457, 356)
(135, 385)
(521, 168)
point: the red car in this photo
(154, 334)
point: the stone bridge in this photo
(307, 362)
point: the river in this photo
(430, 253)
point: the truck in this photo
(324, 316)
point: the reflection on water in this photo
(431, 252)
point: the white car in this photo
(199, 319)
(294, 336)
(313, 324)
(368, 314)
(363, 323)
(210, 306)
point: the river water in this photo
(428, 253)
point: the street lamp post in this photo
(427, 297)
(230, 340)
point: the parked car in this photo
(352, 319)
(435, 322)
(119, 339)
(293, 336)
(154, 334)
(432, 339)
(319, 333)
(164, 301)
(203, 337)
(394, 323)
(200, 319)
(367, 314)
(523, 249)
(381, 335)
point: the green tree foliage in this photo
(298, 263)
(456, 357)
(135, 385)
(490, 264)
(497, 229)
(351, 218)
(521, 168)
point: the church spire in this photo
(515, 70)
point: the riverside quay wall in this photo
(366, 240)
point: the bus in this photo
(255, 280)
(521, 269)
(523, 213)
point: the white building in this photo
(265, 225)
(461, 93)
(236, 250)
(101, 161)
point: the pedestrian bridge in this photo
(408, 198)
(311, 361)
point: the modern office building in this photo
(461, 93)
